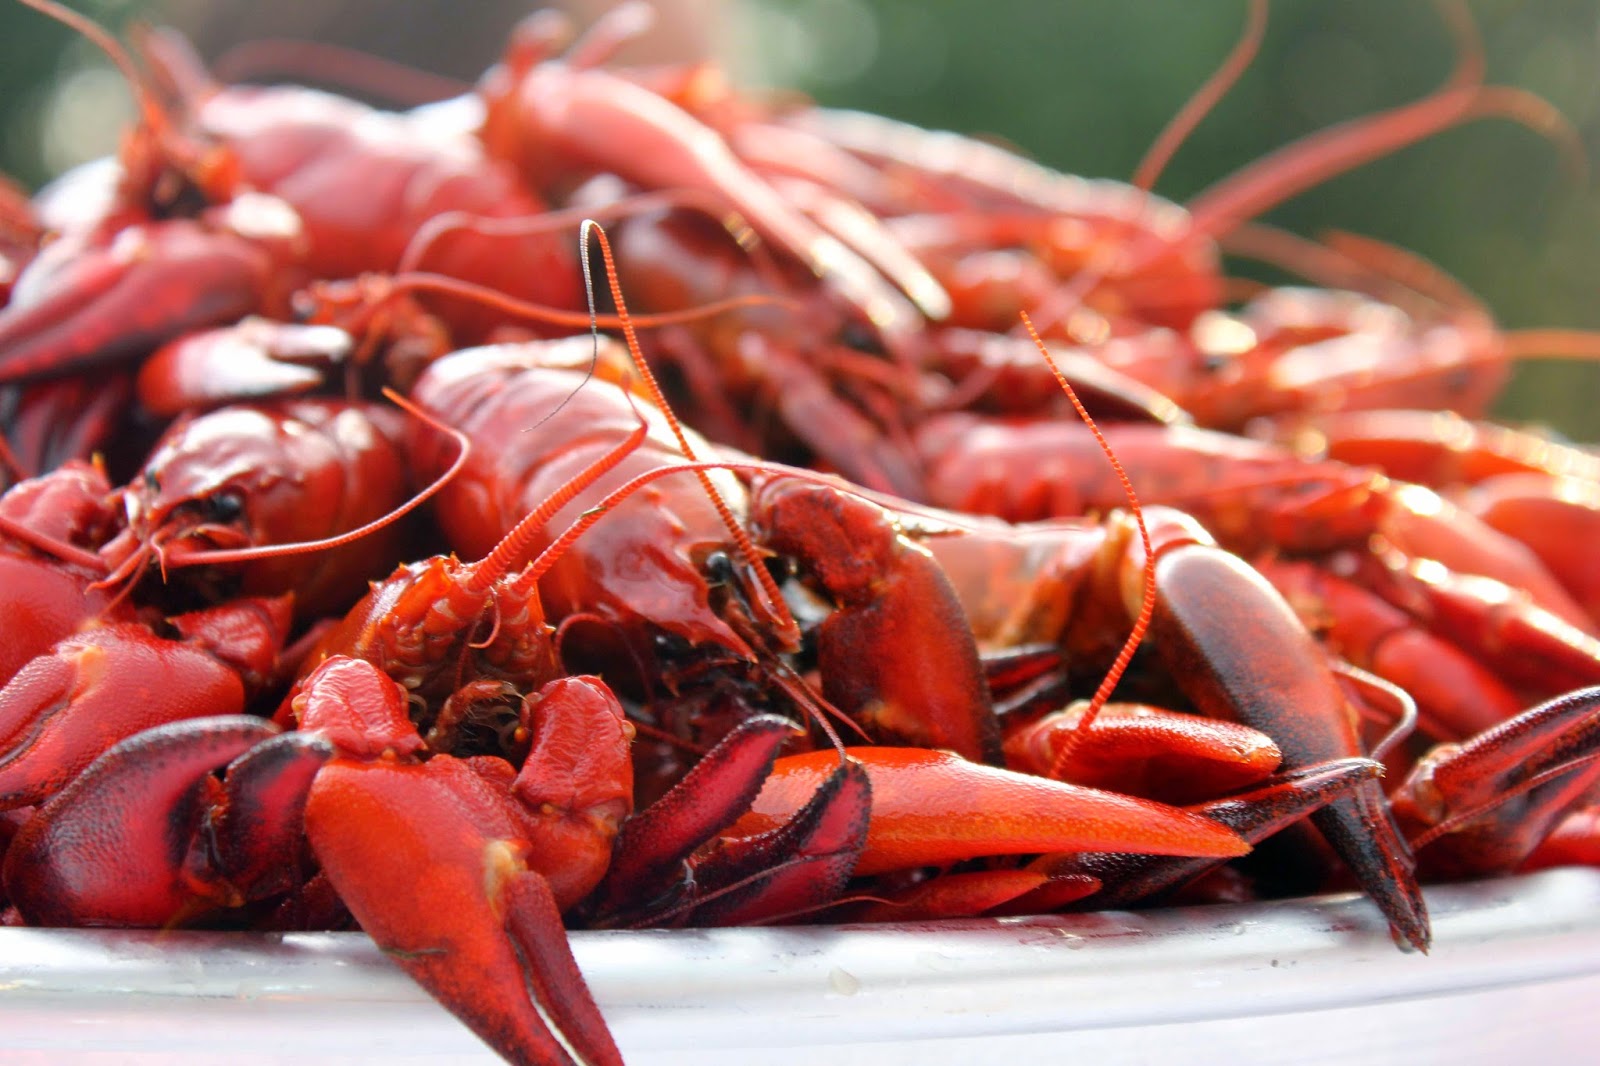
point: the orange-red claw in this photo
(575, 788)
(1238, 651)
(969, 894)
(1483, 806)
(933, 808)
(891, 596)
(654, 843)
(255, 359)
(476, 927)
(78, 306)
(63, 709)
(115, 847)
(795, 867)
(480, 928)
(1255, 815)
(1145, 751)
(257, 834)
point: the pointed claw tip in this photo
(1409, 924)
(1415, 938)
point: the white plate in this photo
(1513, 976)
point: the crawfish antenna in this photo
(338, 540)
(153, 115)
(1205, 98)
(1315, 158)
(513, 545)
(607, 34)
(144, 168)
(1167, 142)
(772, 605)
(1147, 604)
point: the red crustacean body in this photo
(497, 396)
(81, 666)
(678, 682)
(113, 679)
(46, 597)
(469, 645)
(295, 185)
(252, 476)
(95, 659)
(364, 183)
(662, 585)
(481, 391)
(1076, 587)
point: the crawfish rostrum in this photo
(816, 600)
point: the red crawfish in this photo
(228, 206)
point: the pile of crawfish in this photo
(943, 540)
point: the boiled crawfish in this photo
(679, 685)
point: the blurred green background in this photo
(1082, 86)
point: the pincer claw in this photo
(134, 840)
(480, 928)
(477, 928)
(1482, 806)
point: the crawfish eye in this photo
(719, 568)
(860, 337)
(222, 508)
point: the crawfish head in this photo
(253, 476)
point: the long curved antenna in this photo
(1313, 159)
(1067, 299)
(149, 157)
(219, 556)
(150, 111)
(1147, 604)
(515, 543)
(774, 607)
(1205, 98)
(332, 64)
(1522, 788)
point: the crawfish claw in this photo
(1482, 806)
(114, 846)
(479, 930)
